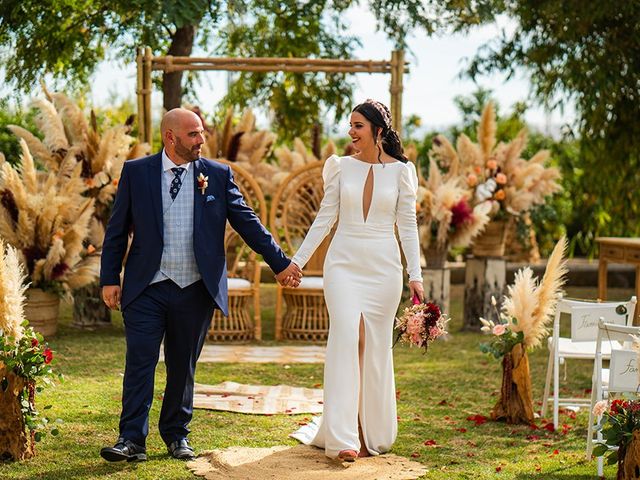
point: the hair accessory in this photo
(384, 111)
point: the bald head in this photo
(182, 135)
(177, 118)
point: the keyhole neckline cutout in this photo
(367, 194)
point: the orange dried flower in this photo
(115, 182)
(472, 180)
(91, 249)
(501, 179)
(492, 164)
(477, 169)
(500, 195)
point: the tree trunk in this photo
(181, 46)
(88, 308)
(629, 459)
(316, 140)
(516, 398)
(15, 443)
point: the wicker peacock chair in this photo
(243, 272)
(293, 209)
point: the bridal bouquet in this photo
(420, 324)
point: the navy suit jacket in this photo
(138, 207)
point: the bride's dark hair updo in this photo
(380, 118)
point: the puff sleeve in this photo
(327, 214)
(406, 220)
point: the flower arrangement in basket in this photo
(495, 174)
(446, 218)
(25, 364)
(521, 325)
(620, 426)
(420, 324)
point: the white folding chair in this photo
(584, 316)
(621, 376)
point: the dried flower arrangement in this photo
(495, 172)
(49, 221)
(69, 139)
(253, 149)
(523, 322)
(446, 218)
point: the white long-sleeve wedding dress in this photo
(362, 278)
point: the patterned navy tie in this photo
(176, 183)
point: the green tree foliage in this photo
(291, 28)
(398, 18)
(588, 54)
(11, 114)
(69, 38)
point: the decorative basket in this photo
(42, 310)
(491, 242)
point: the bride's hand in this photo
(416, 288)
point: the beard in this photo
(188, 154)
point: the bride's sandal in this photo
(348, 455)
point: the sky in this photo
(430, 87)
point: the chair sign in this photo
(584, 320)
(623, 373)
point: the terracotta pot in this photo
(42, 310)
(491, 242)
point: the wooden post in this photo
(139, 95)
(148, 58)
(397, 71)
(437, 286)
(484, 277)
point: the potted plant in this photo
(46, 218)
(496, 174)
(72, 141)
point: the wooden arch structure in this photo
(146, 63)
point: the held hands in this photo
(111, 296)
(290, 276)
(416, 288)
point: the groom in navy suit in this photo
(176, 204)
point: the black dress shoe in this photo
(124, 450)
(181, 450)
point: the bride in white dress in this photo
(368, 193)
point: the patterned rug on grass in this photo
(258, 354)
(258, 399)
(299, 463)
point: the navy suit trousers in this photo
(180, 316)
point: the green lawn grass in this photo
(436, 392)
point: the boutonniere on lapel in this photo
(203, 183)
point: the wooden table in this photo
(618, 250)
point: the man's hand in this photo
(416, 288)
(290, 276)
(111, 296)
